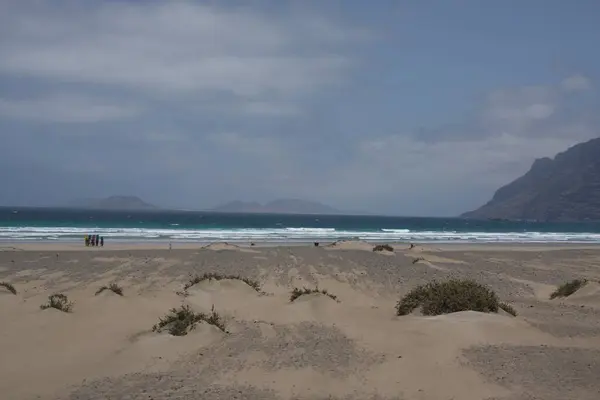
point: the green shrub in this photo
(58, 301)
(115, 288)
(382, 247)
(301, 292)
(455, 295)
(9, 287)
(180, 321)
(568, 288)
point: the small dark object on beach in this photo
(382, 247)
(9, 287)
(300, 292)
(451, 296)
(412, 246)
(58, 301)
(182, 320)
(316, 244)
(416, 260)
(115, 288)
(568, 288)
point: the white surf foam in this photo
(290, 234)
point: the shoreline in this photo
(400, 246)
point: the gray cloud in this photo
(65, 109)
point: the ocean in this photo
(52, 224)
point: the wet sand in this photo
(312, 348)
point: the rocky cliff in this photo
(566, 188)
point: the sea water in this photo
(52, 224)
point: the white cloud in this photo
(65, 109)
(576, 83)
(517, 109)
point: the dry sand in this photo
(312, 348)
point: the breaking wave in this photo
(282, 235)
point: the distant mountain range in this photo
(566, 188)
(114, 203)
(281, 206)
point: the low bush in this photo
(455, 295)
(9, 287)
(180, 321)
(382, 247)
(115, 288)
(58, 301)
(568, 288)
(301, 292)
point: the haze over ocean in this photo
(53, 224)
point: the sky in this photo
(391, 107)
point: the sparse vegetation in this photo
(9, 287)
(416, 260)
(217, 277)
(301, 292)
(383, 247)
(568, 288)
(455, 295)
(115, 288)
(58, 301)
(180, 321)
(508, 308)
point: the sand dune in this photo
(227, 246)
(588, 295)
(314, 347)
(350, 245)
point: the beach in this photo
(350, 345)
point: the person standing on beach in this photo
(101, 241)
(86, 239)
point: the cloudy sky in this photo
(394, 107)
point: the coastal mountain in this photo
(566, 188)
(114, 203)
(282, 206)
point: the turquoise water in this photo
(46, 224)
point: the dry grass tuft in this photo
(9, 287)
(508, 308)
(180, 321)
(568, 288)
(208, 276)
(301, 292)
(115, 288)
(58, 301)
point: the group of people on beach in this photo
(94, 240)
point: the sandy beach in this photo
(315, 347)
